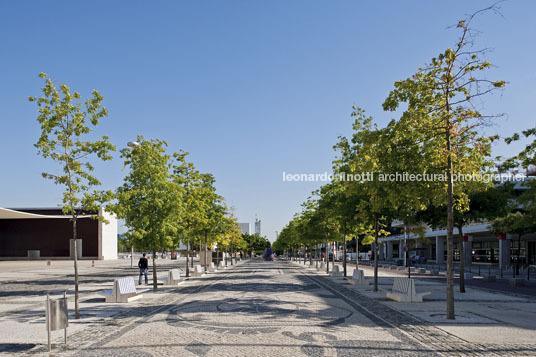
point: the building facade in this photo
(244, 228)
(45, 233)
(258, 226)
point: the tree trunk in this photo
(333, 256)
(344, 251)
(357, 251)
(206, 254)
(155, 280)
(375, 253)
(462, 260)
(187, 256)
(75, 248)
(450, 228)
(327, 256)
(518, 253)
(232, 252)
(192, 260)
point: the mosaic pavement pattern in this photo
(270, 309)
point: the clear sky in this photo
(250, 88)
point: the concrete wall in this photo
(107, 237)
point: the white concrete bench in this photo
(173, 277)
(211, 267)
(198, 270)
(221, 265)
(336, 271)
(358, 278)
(322, 266)
(124, 290)
(404, 291)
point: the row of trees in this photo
(437, 139)
(164, 199)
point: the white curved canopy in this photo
(6, 213)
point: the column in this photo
(467, 250)
(504, 250)
(381, 254)
(389, 250)
(440, 249)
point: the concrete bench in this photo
(422, 271)
(516, 282)
(401, 268)
(393, 267)
(198, 270)
(221, 265)
(212, 267)
(358, 278)
(336, 272)
(124, 290)
(322, 266)
(404, 291)
(173, 277)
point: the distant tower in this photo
(257, 226)
(244, 228)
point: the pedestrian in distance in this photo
(143, 264)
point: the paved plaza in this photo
(259, 308)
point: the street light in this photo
(132, 145)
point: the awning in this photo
(6, 213)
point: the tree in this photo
(214, 214)
(149, 200)
(65, 120)
(441, 104)
(194, 207)
(518, 223)
(485, 202)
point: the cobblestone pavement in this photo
(269, 309)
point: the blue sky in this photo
(250, 88)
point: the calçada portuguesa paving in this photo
(282, 308)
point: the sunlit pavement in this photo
(282, 309)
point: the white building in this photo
(244, 228)
(258, 226)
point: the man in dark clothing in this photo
(143, 264)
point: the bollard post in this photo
(48, 322)
(93, 264)
(65, 331)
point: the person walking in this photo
(143, 264)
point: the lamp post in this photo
(132, 145)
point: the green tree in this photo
(519, 223)
(194, 207)
(212, 220)
(65, 121)
(440, 99)
(149, 200)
